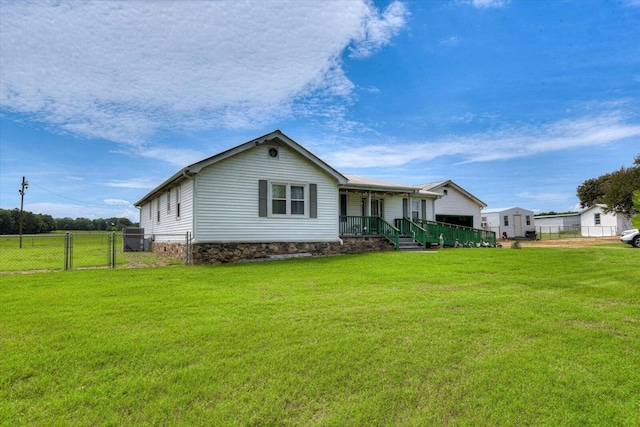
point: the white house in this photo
(594, 222)
(510, 222)
(271, 196)
(456, 205)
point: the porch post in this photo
(368, 210)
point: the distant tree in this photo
(592, 191)
(40, 223)
(7, 223)
(32, 223)
(615, 190)
(555, 213)
(65, 223)
(636, 205)
(100, 224)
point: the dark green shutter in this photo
(313, 200)
(405, 208)
(424, 209)
(262, 197)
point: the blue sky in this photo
(516, 101)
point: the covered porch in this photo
(424, 232)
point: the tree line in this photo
(39, 223)
(614, 189)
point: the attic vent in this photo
(273, 153)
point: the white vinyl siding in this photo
(169, 226)
(456, 203)
(496, 221)
(228, 199)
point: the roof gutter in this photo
(182, 175)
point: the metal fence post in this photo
(111, 250)
(68, 251)
(187, 255)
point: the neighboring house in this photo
(594, 222)
(558, 223)
(456, 205)
(509, 222)
(271, 196)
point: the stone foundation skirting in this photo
(216, 253)
(169, 249)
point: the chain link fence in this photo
(82, 250)
(560, 232)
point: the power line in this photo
(69, 198)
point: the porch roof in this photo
(363, 183)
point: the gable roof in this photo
(498, 210)
(597, 205)
(356, 182)
(273, 137)
(433, 186)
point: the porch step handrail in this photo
(451, 232)
(369, 226)
(413, 230)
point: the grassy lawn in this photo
(538, 336)
(47, 252)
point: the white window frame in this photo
(288, 200)
(596, 219)
(506, 220)
(415, 209)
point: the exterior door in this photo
(517, 225)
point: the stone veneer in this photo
(215, 253)
(169, 249)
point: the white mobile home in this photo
(509, 222)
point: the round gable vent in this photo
(273, 152)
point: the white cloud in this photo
(489, 4)
(125, 70)
(116, 202)
(508, 143)
(377, 29)
(450, 41)
(143, 183)
(545, 197)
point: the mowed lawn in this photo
(538, 336)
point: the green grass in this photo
(538, 336)
(47, 252)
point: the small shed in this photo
(510, 222)
(595, 222)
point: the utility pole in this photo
(25, 185)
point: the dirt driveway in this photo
(578, 242)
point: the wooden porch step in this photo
(407, 244)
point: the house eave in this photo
(182, 175)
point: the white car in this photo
(631, 237)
